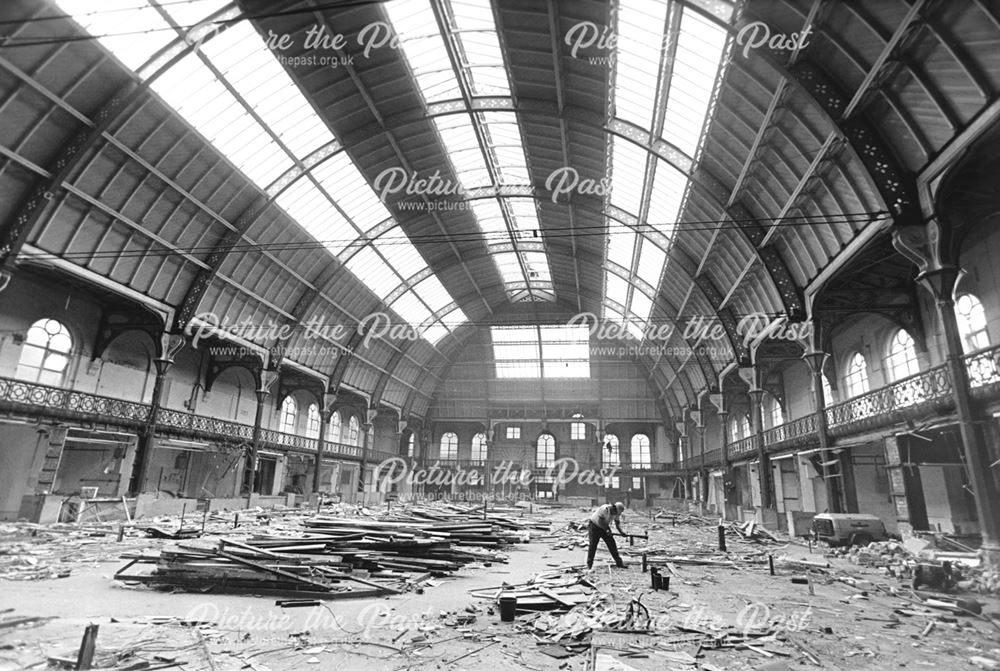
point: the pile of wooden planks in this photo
(751, 531)
(552, 590)
(333, 557)
(237, 568)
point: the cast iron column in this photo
(326, 410)
(756, 395)
(941, 283)
(267, 378)
(815, 360)
(169, 345)
(145, 451)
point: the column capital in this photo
(941, 283)
(267, 380)
(815, 359)
(756, 394)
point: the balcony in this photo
(913, 397)
(64, 404)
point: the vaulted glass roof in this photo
(486, 149)
(668, 61)
(233, 90)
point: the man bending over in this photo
(600, 527)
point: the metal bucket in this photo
(508, 608)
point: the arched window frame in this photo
(640, 451)
(312, 421)
(353, 430)
(545, 450)
(971, 318)
(45, 354)
(856, 379)
(776, 412)
(901, 356)
(335, 427)
(479, 448)
(448, 450)
(289, 415)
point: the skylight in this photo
(233, 91)
(672, 98)
(558, 351)
(486, 149)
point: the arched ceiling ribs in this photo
(895, 187)
(18, 227)
(544, 109)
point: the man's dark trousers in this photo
(596, 533)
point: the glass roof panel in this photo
(373, 271)
(642, 306)
(700, 48)
(477, 34)
(620, 245)
(130, 30)
(460, 141)
(628, 168)
(509, 266)
(313, 211)
(192, 12)
(411, 308)
(401, 255)
(651, 258)
(341, 178)
(191, 89)
(420, 40)
(491, 219)
(248, 65)
(433, 293)
(435, 332)
(665, 201)
(617, 289)
(640, 46)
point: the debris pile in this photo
(327, 557)
(552, 590)
(751, 531)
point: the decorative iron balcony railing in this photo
(69, 403)
(891, 403)
(20, 395)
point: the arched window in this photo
(333, 430)
(902, 359)
(744, 426)
(45, 354)
(734, 429)
(777, 416)
(449, 446)
(411, 444)
(857, 375)
(353, 432)
(640, 451)
(971, 323)
(289, 415)
(312, 421)
(611, 457)
(479, 448)
(545, 452)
